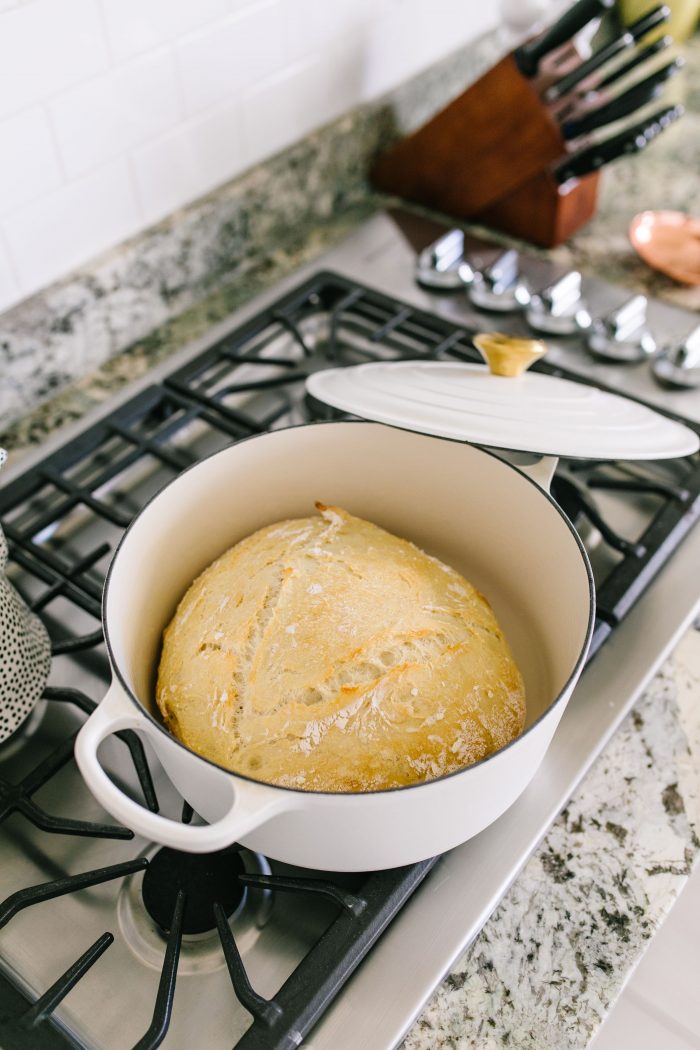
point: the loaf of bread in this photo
(326, 654)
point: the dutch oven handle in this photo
(249, 804)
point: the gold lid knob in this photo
(506, 355)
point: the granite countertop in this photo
(548, 965)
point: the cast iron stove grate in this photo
(246, 383)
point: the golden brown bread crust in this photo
(326, 654)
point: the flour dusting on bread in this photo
(326, 654)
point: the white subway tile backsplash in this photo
(409, 35)
(333, 83)
(46, 46)
(137, 25)
(301, 99)
(9, 290)
(107, 116)
(29, 166)
(181, 166)
(230, 56)
(312, 26)
(113, 113)
(70, 225)
(269, 115)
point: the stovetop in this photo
(111, 971)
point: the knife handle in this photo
(621, 106)
(615, 110)
(582, 72)
(528, 56)
(656, 17)
(632, 140)
(640, 56)
(626, 39)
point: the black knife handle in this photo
(626, 39)
(656, 17)
(641, 56)
(632, 140)
(615, 110)
(634, 98)
(597, 59)
(528, 56)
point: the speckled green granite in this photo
(79, 397)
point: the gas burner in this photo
(206, 879)
(147, 903)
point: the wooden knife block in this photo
(486, 157)
(541, 211)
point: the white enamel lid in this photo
(534, 412)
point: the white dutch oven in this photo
(486, 518)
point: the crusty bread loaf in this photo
(326, 654)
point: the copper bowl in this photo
(668, 241)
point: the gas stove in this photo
(112, 942)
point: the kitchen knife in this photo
(596, 91)
(626, 39)
(632, 140)
(624, 104)
(528, 56)
(640, 56)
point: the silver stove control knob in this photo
(442, 266)
(624, 335)
(679, 366)
(500, 287)
(559, 309)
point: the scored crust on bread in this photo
(326, 654)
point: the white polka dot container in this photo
(26, 651)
